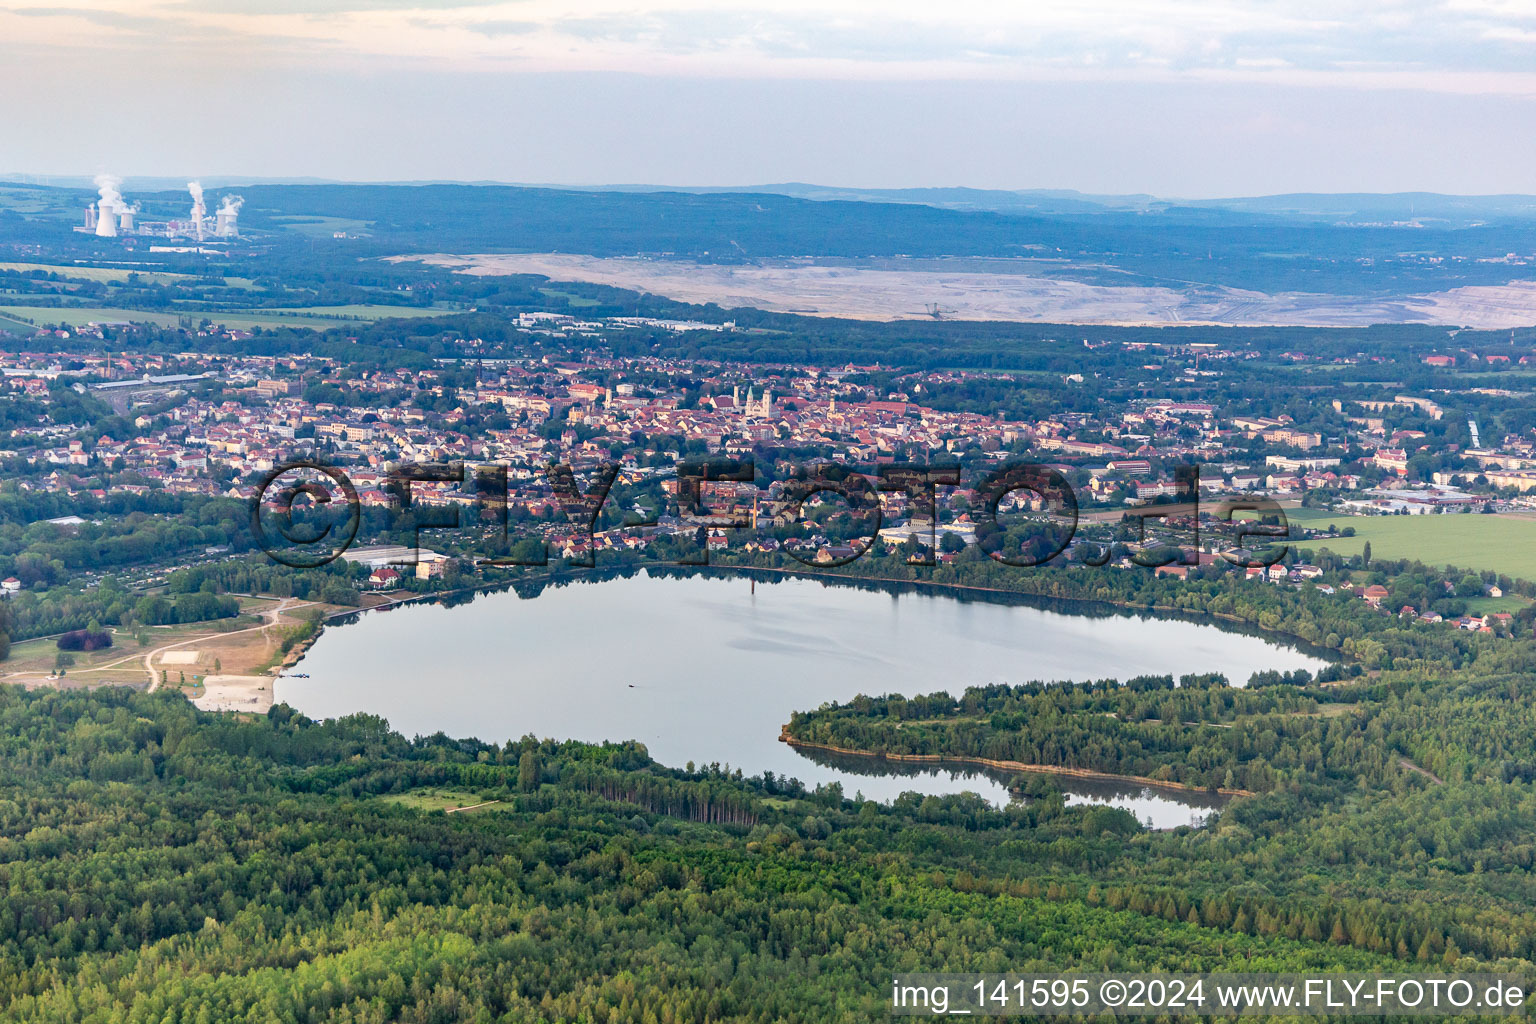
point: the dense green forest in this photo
(159, 864)
(1220, 737)
(1389, 783)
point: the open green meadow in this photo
(1486, 605)
(48, 316)
(434, 798)
(361, 312)
(31, 201)
(105, 275)
(570, 298)
(305, 316)
(1502, 543)
(320, 227)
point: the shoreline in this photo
(1011, 766)
(1305, 646)
(598, 574)
(298, 650)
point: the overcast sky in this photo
(1175, 98)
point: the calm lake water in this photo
(702, 669)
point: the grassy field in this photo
(571, 298)
(362, 312)
(45, 316)
(1502, 543)
(37, 657)
(106, 275)
(190, 651)
(1513, 376)
(123, 662)
(1485, 605)
(434, 799)
(28, 200)
(308, 316)
(1297, 514)
(321, 227)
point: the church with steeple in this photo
(755, 408)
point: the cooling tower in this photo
(108, 206)
(106, 220)
(225, 224)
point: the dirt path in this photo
(273, 615)
(1403, 762)
(470, 807)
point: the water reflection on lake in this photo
(1157, 806)
(703, 669)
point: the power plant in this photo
(110, 208)
(111, 216)
(224, 222)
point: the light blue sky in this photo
(1176, 98)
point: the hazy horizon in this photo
(1234, 99)
(175, 183)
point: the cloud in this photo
(501, 27)
(104, 18)
(321, 7)
(1426, 44)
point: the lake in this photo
(704, 669)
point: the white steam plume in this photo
(199, 211)
(108, 205)
(225, 226)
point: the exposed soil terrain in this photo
(977, 290)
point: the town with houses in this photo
(214, 425)
(1010, 510)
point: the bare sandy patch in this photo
(1492, 307)
(884, 290)
(236, 693)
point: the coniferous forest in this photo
(161, 864)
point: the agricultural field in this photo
(320, 227)
(1502, 543)
(360, 312)
(36, 202)
(104, 275)
(317, 317)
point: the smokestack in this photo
(199, 211)
(90, 216)
(107, 206)
(229, 210)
